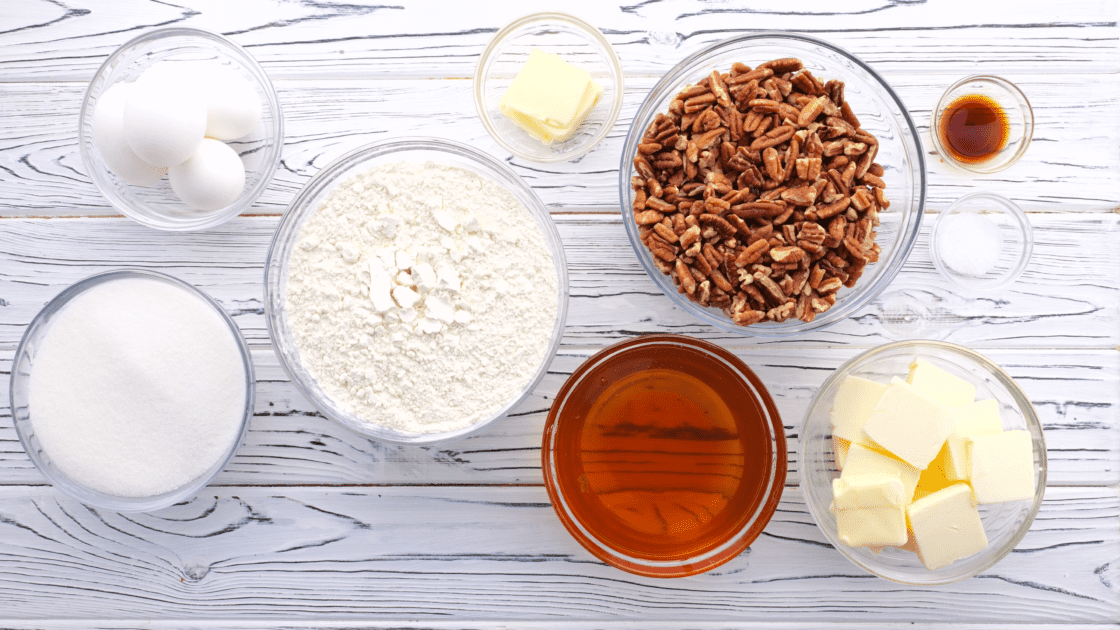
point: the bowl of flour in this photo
(416, 290)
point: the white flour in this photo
(422, 297)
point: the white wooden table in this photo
(313, 526)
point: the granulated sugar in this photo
(969, 244)
(137, 388)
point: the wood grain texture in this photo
(42, 174)
(66, 40)
(521, 624)
(290, 443)
(498, 553)
(1069, 295)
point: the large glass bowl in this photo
(880, 112)
(1004, 523)
(24, 363)
(568, 440)
(158, 206)
(308, 202)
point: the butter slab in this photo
(909, 424)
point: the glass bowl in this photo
(308, 202)
(1004, 523)
(19, 386)
(880, 111)
(1016, 108)
(601, 476)
(1007, 229)
(578, 43)
(157, 206)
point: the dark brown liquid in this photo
(670, 458)
(973, 128)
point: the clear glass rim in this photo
(248, 198)
(276, 267)
(910, 225)
(986, 167)
(1008, 207)
(1026, 408)
(81, 492)
(486, 58)
(737, 541)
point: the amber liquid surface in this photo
(665, 458)
(973, 128)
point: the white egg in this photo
(164, 121)
(233, 108)
(108, 135)
(210, 179)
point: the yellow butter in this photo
(855, 400)
(909, 424)
(872, 526)
(863, 460)
(549, 97)
(840, 448)
(934, 477)
(1001, 466)
(863, 491)
(978, 418)
(946, 526)
(940, 385)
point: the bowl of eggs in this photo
(180, 129)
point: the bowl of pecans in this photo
(772, 185)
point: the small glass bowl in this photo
(157, 206)
(307, 203)
(880, 111)
(692, 357)
(1004, 523)
(1015, 106)
(20, 383)
(578, 43)
(1013, 251)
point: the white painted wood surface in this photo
(313, 526)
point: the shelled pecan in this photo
(758, 192)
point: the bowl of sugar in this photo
(131, 390)
(982, 242)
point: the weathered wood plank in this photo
(1069, 296)
(498, 554)
(1072, 165)
(55, 624)
(289, 443)
(68, 40)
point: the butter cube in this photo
(946, 526)
(1001, 466)
(840, 448)
(863, 491)
(855, 400)
(872, 527)
(940, 385)
(909, 424)
(863, 460)
(549, 97)
(978, 418)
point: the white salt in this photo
(138, 388)
(969, 243)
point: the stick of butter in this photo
(946, 526)
(549, 97)
(868, 461)
(940, 385)
(909, 424)
(855, 400)
(978, 418)
(1001, 466)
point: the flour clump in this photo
(421, 297)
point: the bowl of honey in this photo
(664, 456)
(982, 124)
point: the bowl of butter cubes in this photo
(922, 462)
